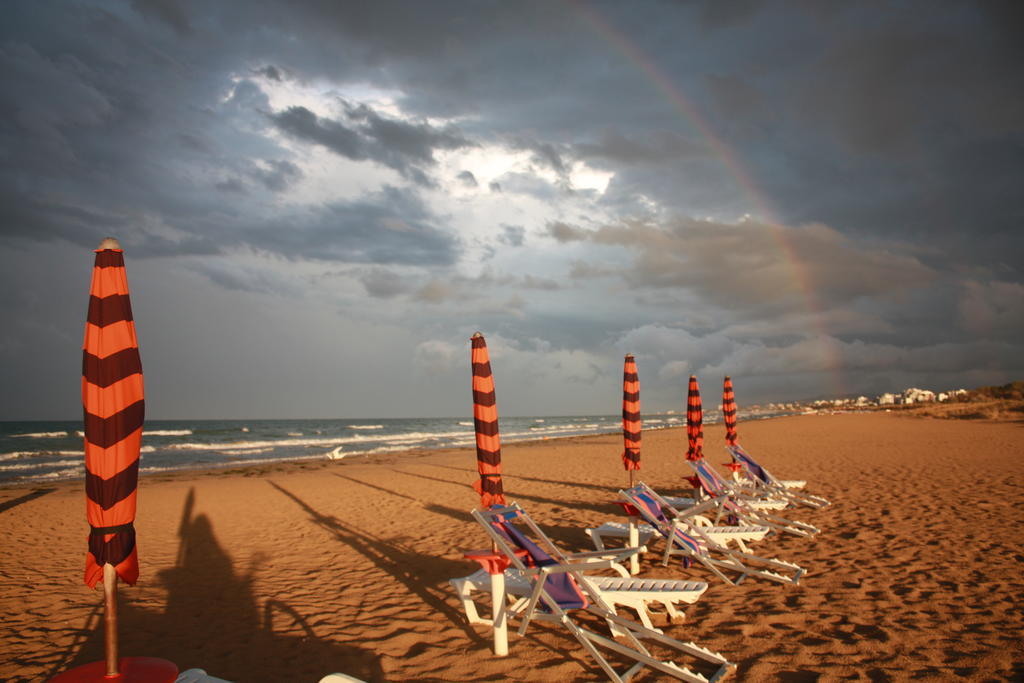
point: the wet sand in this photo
(289, 572)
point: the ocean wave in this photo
(15, 455)
(36, 465)
(295, 434)
(247, 451)
(70, 473)
(167, 432)
(247, 445)
(41, 435)
(465, 424)
(366, 426)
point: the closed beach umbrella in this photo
(729, 412)
(112, 397)
(114, 408)
(631, 423)
(485, 421)
(694, 422)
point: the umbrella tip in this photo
(629, 355)
(109, 243)
(728, 377)
(476, 335)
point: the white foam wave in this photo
(366, 426)
(71, 473)
(247, 451)
(37, 465)
(465, 424)
(249, 445)
(41, 435)
(14, 455)
(294, 433)
(167, 432)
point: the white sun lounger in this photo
(763, 481)
(637, 594)
(560, 589)
(692, 543)
(723, 535)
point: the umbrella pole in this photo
(110, 621)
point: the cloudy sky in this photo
(320, 201)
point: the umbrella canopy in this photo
(112, 397)
(631, 423)
(694, 422)
(485, 420)
(729, 412)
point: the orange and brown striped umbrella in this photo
(729, 412)
(112, 396)
(631, 423)
(694, 422)
(485, 420)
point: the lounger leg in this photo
(463, 588)
(499, 611)
(595, 536)
(634, 542)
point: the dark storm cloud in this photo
(364, 134)
(656, 147)
(753, 269)
(886, 140)
(277, 174)
(391, 226)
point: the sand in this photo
(286, 573)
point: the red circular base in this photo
(132, 670)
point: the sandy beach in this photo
(289, 572)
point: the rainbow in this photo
(799, 273)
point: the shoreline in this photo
(313, 463)
(45, 481)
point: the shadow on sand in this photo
(213, 620)
(15, 502)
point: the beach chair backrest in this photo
(748, 462)
(651, 510)
(561, 588)
(713, 484)
(709, 479)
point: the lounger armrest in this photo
(618, 554)
(577, 566)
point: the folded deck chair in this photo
(728, 503)
(695, 546)
(763, 480)
(562, 593)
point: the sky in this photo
(320, 202)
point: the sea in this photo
(53, 451)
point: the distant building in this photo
(915, 395)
